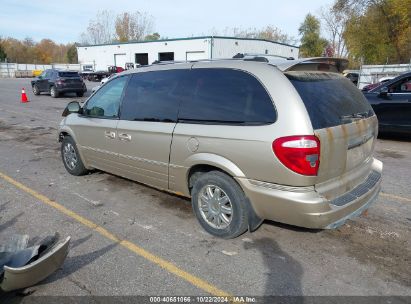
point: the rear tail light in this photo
(60, 81)
(300, 154)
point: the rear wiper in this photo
(354, 116)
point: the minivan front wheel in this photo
(220, 205)
(71, 158)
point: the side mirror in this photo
(383, 92)
(72, 107)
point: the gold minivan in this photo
(290, 141)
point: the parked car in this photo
(57, 82)
(245, 140)
(378, 83)
(391, 102)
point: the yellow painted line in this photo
(396, 197)
(168, 266)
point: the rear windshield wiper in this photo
(354, 116)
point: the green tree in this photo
(378, 31)
(72, 54)
(312, 44)
(3, 54)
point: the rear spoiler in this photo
(309, 64)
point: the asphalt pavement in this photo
(130, 239)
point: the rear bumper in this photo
(71, 89)
(305, 207)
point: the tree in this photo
(100, 30)
(3, 54)
(44, 50)
(312, 44)
(335, 20)
(269, 32)
(72, 53)
(378, 31)
(153, 36)
(133, 26)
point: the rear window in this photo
(68, 74)
(226, 96)
(329, 98)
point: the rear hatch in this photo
(70, 80)
(346, 125)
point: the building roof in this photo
(188, 38)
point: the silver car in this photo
(247, 140)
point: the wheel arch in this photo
(205, 162)
(63, 132)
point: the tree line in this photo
(365, 31)
(44, 52)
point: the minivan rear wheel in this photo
(71, 158)
(220, 205)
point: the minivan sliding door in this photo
(147, 120)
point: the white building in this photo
(182, 49)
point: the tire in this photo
(36, 90)
(80, 94)
(218, 221)
(53, 92)
(71, 158)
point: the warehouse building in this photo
(99, 57)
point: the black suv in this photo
(58, 82)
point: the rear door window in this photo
(329, 98)
(153, 96)
(225, 96)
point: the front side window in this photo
(402, 86)
(153, 96)
(105, 102)
(226, 96)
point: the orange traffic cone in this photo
(24, 98)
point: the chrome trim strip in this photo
(280, 187)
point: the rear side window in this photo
(68, 74)
(329, 98)
(153, 96)
(226, 96)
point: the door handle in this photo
(110, 134)
(124, 136)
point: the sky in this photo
(63, 21)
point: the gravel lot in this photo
(370, 255)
